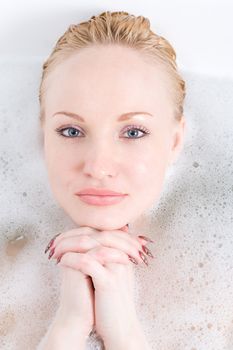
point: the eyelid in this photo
(131, 126)
(141, 128)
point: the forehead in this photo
(108, 76)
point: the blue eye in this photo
(143, 130)
(72, 132)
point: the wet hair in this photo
(123, 29)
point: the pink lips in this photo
(100, 192)
(100, 196)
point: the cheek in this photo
(61, 169)
(58, 161)
(147, 175)
(148, 166)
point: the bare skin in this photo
(100, 84)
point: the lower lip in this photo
(101, 200)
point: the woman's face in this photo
(106, 149)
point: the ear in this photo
(177, 141)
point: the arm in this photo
(64, 334)
(138, 340)
(134, 341)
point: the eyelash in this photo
(130, 127)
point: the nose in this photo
(100, 162)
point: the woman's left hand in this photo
(115, 313)
(113, 280)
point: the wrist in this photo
(67, 334)
(133, 339)
(71, 332)
(64, 334)
(72, 322)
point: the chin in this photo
(99, 223)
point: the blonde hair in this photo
(117, 28)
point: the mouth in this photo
(99, 192)
(101, 199)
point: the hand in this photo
(76, 295)
(110, 271)
(77, 299)
(116, 318)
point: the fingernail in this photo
(133, 260)
(51, 253)
(143, 257)
(58, 259)
(51, 242)
(49, 245)
(147, 251)
(146, 239)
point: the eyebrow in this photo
(124, 116)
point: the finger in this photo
(115, 262)
(85, 230)
(105, 255)
(118, 234)
(79, 244)
(85, 263)
(83, 243)
(94, 262)
(125, 228)
(74, 232)
(102, 255)
(142, 239)
(125, 243)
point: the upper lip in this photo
(100, 192)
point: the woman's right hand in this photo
(76, 300)
(76, 292)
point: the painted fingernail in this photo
(147, 251)
(51, 242)
(133, 260)
(58, 259)
(146, 239)
(51, 253)
(143, 257)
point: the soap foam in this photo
(184, 297)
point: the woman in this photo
(112, 120)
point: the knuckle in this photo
(121, 254)
(103, 237)
(136, 243)
(83, 240)
(66, 258)
(131, 249)
(86, 260)
(104, 254)
(60, 249)
(136, 252)
(103, 251)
